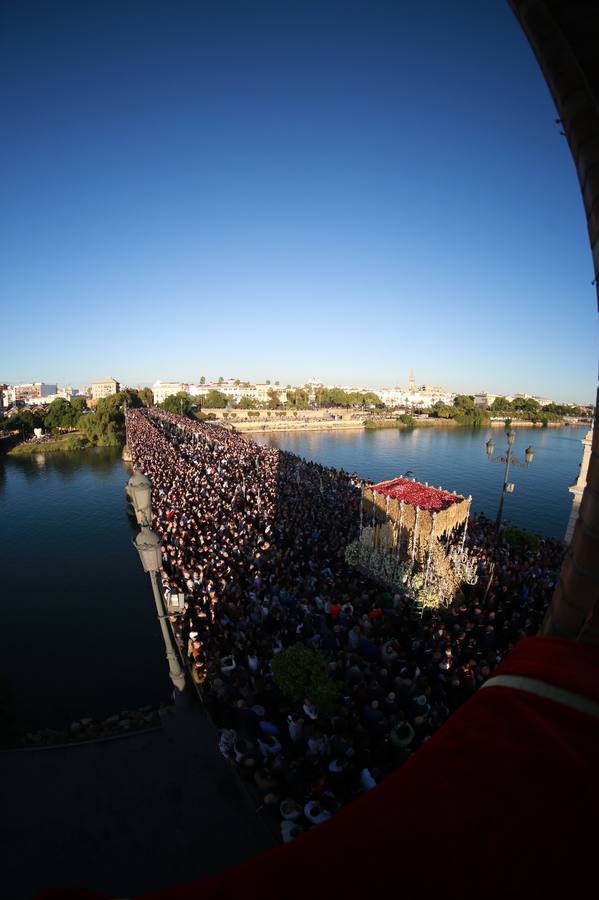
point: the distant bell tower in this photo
(412, 382)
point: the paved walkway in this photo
(124, 816)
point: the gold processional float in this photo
(412, 539)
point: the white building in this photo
(415, 397)
(484, 398)
(9, 396)
(67, 393)
(393, 397)
(34, 390)
(235, 390)
(41, 401)
(263, 390)
(163, 389)
(103, 388)
(231, 389)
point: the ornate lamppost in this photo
(510, 460)
(147, 544)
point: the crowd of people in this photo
(255, 538)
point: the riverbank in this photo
(252, 427)
(424, 422)
(261, 426)
(64, 443)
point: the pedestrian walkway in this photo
(124, 816)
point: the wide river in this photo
(80, 635)
(456, 459)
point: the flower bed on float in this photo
(402, 523)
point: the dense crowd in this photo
(255, 537)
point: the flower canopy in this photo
(406, 506)
(416, 494)
(400, 527)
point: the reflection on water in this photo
(79, 636)
(456, 459)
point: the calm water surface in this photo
(79, 630)
(456, 459)
(79, 634)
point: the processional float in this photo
(412, 538)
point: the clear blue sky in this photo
(285, 189)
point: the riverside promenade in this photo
(124, 816)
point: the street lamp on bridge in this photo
(139, 489)
(147, 544)
(509, 460)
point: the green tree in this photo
(408, 420)
(500, 404)
(301, 673)
(297, 399)
(464, 401)
(268, 381)
(476, 417)
(60, 414)
(105, 426)
(24, 421)
(372, 399)
(100, 430)
(113, 406)
(79, 403)
(130, 397)
(247, 403)
(525, 405)
(214, 400)
(179, 403)
(203, 379)
(442, 411)
(273, 400)
(146, 395)
(521, 540)
(220, 379)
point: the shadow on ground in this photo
(124, 816)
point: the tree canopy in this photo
(214, 400)
(302, 673)
(146, 396)
(179, 403)
(463, 413)
(339, 397)
(25, 420)
(297, 399)
(61, 414)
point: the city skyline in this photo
(342, 189)
(274, 380)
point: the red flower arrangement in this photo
(416, 494)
